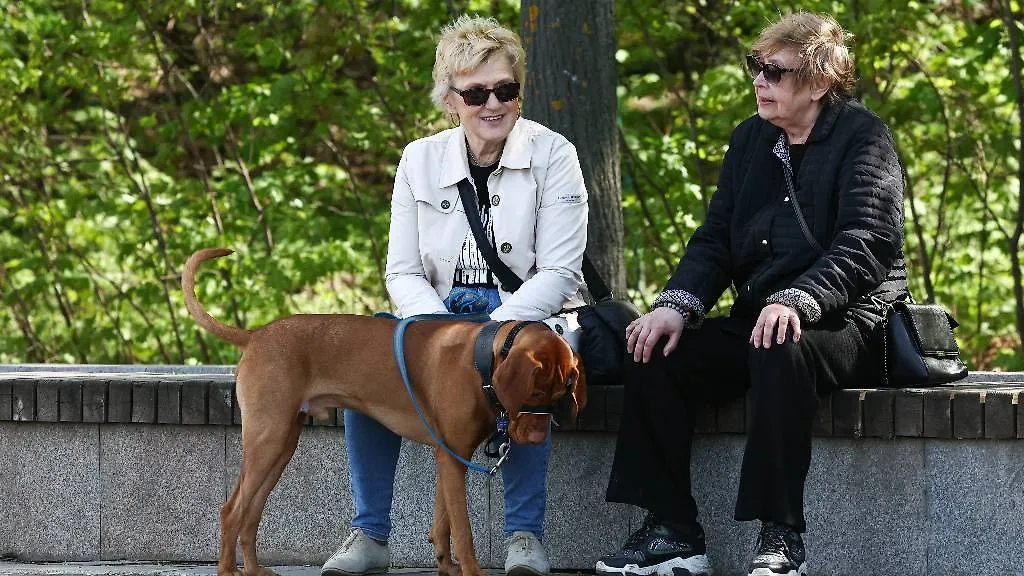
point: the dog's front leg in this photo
(452, 483)
(441, 530)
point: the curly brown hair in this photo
(821, 43)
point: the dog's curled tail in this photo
(237, 336)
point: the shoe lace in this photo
(349, 541)
(523, 541)
(638, 536)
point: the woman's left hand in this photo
(775, 316)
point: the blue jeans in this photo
(373, 457)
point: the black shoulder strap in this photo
(598, 289)
(510, 282)
(787, 173)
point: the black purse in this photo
(602, 342)
(919, 349)
(603, 323)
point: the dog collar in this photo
(483, 361)
(483, 355)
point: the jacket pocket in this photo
(445, 200)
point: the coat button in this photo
(445, 204)
(748, 287)
(506, 248)
(495, 200)
(764, 242)
(786, 199)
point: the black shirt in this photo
(480, 174)
(796, 156)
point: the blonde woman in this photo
(533, 205)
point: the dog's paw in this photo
(448, 569)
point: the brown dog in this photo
(305, 364)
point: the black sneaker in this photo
(780, 552)
(657, 549)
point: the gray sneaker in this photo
(526, 556)
(358, 555)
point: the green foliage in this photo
(132, 135)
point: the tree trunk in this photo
(570, 88)
(1017, 69)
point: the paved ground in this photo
(136, 569)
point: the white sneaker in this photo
(358, 555)
(526, 556)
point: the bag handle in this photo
(510, 281)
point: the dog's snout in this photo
(537, 436)
(530, 428)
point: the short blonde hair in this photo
(821, 43)
(467, 43)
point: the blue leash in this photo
(400, 358)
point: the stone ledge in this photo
(150, 493)
(987, 405)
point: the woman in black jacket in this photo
(807, 224)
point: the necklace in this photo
(476, 161)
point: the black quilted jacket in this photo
(850, 189)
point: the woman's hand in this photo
(643, 333)
(775, 316)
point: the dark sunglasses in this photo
(772, 73)
(478, 96)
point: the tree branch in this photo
(652, 228)
(23, 318)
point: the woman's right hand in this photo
(644, 333)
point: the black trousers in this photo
(715, 362)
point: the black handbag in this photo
(603, 323)
(919, 349)
(602, 342)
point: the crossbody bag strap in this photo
(598, 289)
(510, 282)
(787, 172)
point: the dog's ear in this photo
(579, 387)
(514, 379)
